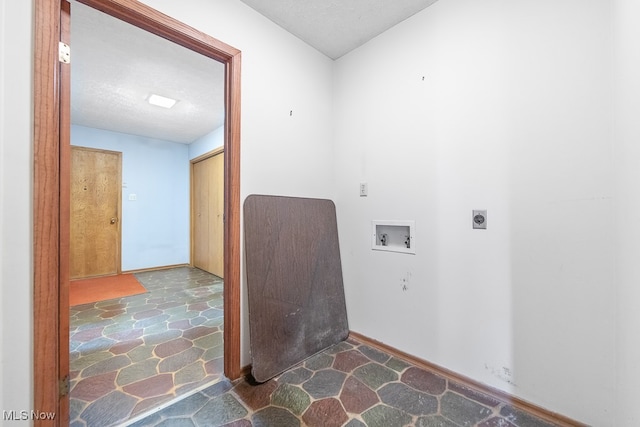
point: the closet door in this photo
(208, 214)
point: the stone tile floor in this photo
(350, 384)
(132, 354)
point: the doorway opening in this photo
(51, 223)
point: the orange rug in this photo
(96, 289)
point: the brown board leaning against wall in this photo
(294, 281)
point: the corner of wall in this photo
(206, 143)
(627, 203)
(2, 168)
(16, 183)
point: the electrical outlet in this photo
(480, 219)
(364, 189)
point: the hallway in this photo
(130, 355)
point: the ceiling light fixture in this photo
(161, 101)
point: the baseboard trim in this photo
(500, 395)
(162, 267)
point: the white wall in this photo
(155, 226)
(280, 74)
(514, 116)
(286, 105)
(207, 143)
(2, 181)
(16, 361)
(627, 158)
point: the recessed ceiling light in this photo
(161, 101)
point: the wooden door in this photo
(208, 214)
(95, 212)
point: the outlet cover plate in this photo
(479, 219)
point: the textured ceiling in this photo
(336, 27)
(116, 66)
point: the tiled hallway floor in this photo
(135, 353)
(350, 384)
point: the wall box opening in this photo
(393, 236)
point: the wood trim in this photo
(64, 269)
(162, 267)
(98, 150)
(555, 418)
(50, 358)
(207, 155)
(46, 214)
(232, 250)
(149, 19)
(119, 219)
(191, 215)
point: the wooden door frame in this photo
(118, 184)
(192, 162)
(51, 184)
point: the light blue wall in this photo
(207, 143)
(155, 227)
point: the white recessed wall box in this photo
(393, 236)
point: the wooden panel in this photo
(95, 212)
(232, 248)
(208, 206)
(65, 205)
(46, 209)
(294, 279)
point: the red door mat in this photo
(96, 289)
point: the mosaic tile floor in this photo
(131, 354)
(351, 385)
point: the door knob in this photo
(113, 220)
